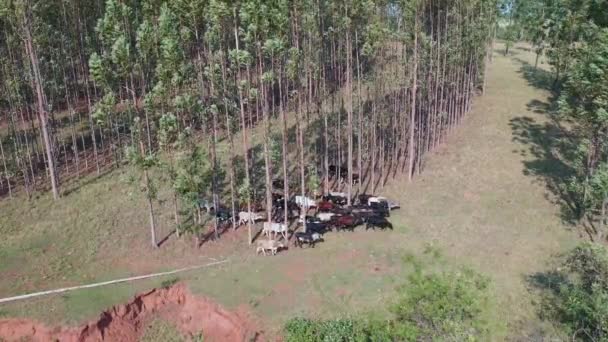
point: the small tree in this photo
(143, 163)
(167, 138)
(192, 177)
(510, 37)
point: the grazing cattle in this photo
(325, 206)
(205, 204)
(272, 245)
(374, 222)
(276, 228)
(223, 215)
(305, 202)
(346, 222)
(317, 227)
(245, 217)
(379, 199)
(338, 194)
(363, 211)
(278, 184)
(325, 217)
(381, 208)
(393, 205)
(309, 219)
(344, 177)
(278, 214)
(309, 238)
(332, 170)
(335, 199)
(363, 199)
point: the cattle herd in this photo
(314, 218)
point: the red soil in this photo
(127, 322)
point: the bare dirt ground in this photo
(484, 199)
(193, 317)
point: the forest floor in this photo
(484, 200)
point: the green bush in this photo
(578, 299)
(447, 306)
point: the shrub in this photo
(447, 306)
(579, 302)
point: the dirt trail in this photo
(191, 315)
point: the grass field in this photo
(483, 200)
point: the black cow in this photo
(278, 184)
(374, 222)
(339, 200)
(381, 208)
(223, 215)
(317, 227)
(309, 238)
(363, 198)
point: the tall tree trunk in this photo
(6, 173)
(413, 108)
(149, 199)
(244, 128)
(284, 147)
(349, 86)
(41, 102)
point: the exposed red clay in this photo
(192, 315)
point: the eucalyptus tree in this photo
(584, 100)
(143, 163)
(23, 19)
(242, 59)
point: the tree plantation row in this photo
(574, 37)
(220, 99)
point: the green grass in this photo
(476, 204)
(161, 331)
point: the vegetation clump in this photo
(435, 306)
(576, 295)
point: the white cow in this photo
(245, 217)
(325, 216)
(375, 199)
(379, 199)
(305, 202)
(276, 228)
(272, 245)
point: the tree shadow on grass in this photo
(545, 146)
(537, 77)
(548, 145)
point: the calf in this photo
(272, 245)
(374, 222)
(309, 238)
